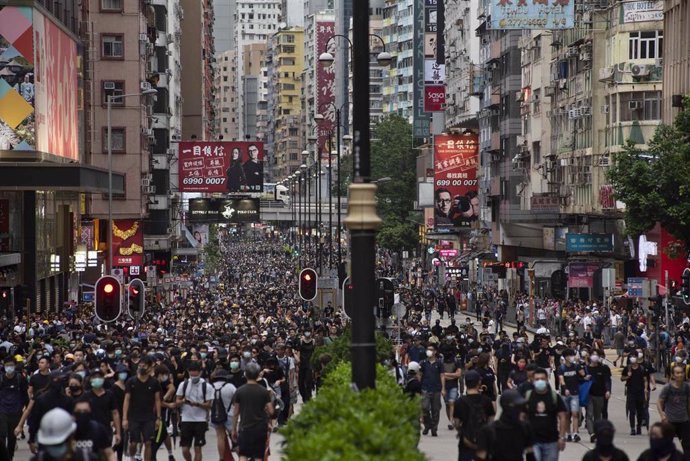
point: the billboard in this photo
(217, 210)
(532, 14)
(421, 120)
(128, 243)
(597, 243)
(200, 233)
(434, 98)
(325, 86)
(456, 199)
(228, 167)
(643, 11)
(38, 84)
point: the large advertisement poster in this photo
(532, 14)
(325, 86)
(200, 233)
(17, 92)
(128, 243)
(220, 210)
(228, 167)
(456, 198)
(56, 90)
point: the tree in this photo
(393, 156)
(211, 253)
(655, 184)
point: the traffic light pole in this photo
(362, 220)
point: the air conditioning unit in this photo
(563, 84)
(640, 70)
(573, 114)
(634, 105)
(149, 189)
(572, 52)
(605, 109)
(108, 85)
(147, 131)
(606, 73)
(145, 86)
(143, 37)
(145, 182)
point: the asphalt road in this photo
(444, 447)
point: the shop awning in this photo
(51, 176)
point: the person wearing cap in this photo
(141, 414)
(103, 405)
(510, 437)
(194, 397)
(57, 441)
(13, 398)
(470, 413)
(604, 449)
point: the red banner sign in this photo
(325, 86)
(456, 199)
(434, 98)
(228, 167)
(128, 243)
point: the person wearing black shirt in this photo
(141, 415)
(103, 405)
(599, 393)
(40, 382)
(236, 377)
(53, 398)
(509, 438)
(604, 450)
(635, 380)
(90, 433)
(548, 416)
(306, 375)
(470, 413)
(570, 375)
(252, 403)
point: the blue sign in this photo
(635, 287)
(597, 243)
(87, 297)
(532, 14)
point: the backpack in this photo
(186, 383)
(477, 418)
(219, 414)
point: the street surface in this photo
(444, 447)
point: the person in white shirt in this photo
(194, 398)
(227, 390)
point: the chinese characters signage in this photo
(598, 243)
(213, 210)
(544, 203)
(606, 198)
(532, 14)
(581, 275)
(434, 69)
(221, 166)
(643, 11)
(4, 225)
(128, 243)
(456, 200)
(325, 86)
(421, 119)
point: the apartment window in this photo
(112, 46)
(536, 153)
(293, 156)
(641, 105)
(119, 138)
(112, 88)
(111, 5)
(537, 48)
(646, 45)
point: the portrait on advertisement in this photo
(455, 180)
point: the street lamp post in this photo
(109, 104)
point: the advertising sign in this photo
(325, 86)
(56, 89)
(532, 14)
(578, 243)
(421, 119)
(606, 198)
(643, 11)
(581, 275)
(434, 73)
(456, 199)
(229, 167)
(4, 225)
(215, 210)
(434, 98)
(128, 243)
(200, 233)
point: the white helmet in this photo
(413, 366)
(56, 426)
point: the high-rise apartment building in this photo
(398, 32)
(676, 60)
(226, 89)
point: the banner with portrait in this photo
(456, 198)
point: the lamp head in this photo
(326, 59)
(384, 58)
(318, 118)
(149, 92)
(312, 139)
(303, 167)
(305, 153)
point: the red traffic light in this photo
(108, 288)
(307, 277)
(134, 290)
(108, 298)
(308, 280)
(4, 294)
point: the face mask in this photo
(521, 366)
(83, 419)
(540, 385)
(195, 379)
(97, 383)
(253, 341)
(122, 376)
(307, 334)
(429, 354)
(640, 355)
(75, 389)
(9, 370)
(143, 371)
(164, 378)
(633, 359)
(82, 374)
(246, 354)
(631, 343)
(234, 365)
(594, 359)
(56, 451)
(203, 355)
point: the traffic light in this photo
(108, 298)
(348, 297)
(386, 295)
(308, 281)
(136, 299)
(685, 286)
(5, 301)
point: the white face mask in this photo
(429, 354)
(633, 359)
(594, 359)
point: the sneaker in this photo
(426, 431)
(434, 434)
(569, 438)
(171, 458)
(633, 432)
(451, 427)
(576, 437)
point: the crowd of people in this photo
(236, 352)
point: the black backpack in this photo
(219, 414)
(476, 420)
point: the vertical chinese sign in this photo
(325, 86)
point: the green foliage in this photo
(396, 235)
(655, 185)
(340, 352)
(211, 252)
(341, 424)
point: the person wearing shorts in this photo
(452, 370)
(141, 414)
(570, 375)
(194, 397)
(252, 409)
